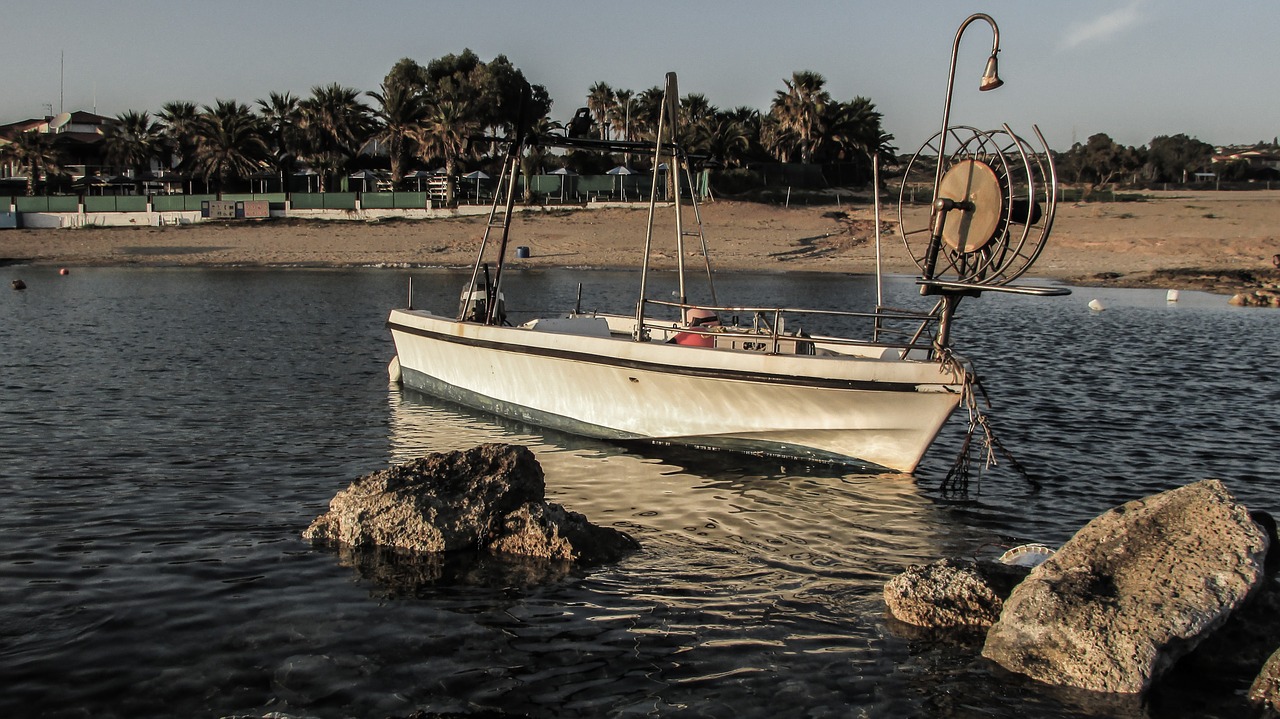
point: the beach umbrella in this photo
(364, 176)
(563, 172)
(308, 173)
(619, 172)
(418, 175)
(90, 181)
(476, 176)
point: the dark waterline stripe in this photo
(759, 377)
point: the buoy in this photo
(1096, 305)
(64, 271)
(1027, 555)
(393, 369)
(18, 285)
(1172, 296)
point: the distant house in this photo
(1256, 159)
(77, 134)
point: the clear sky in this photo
(1134, 69)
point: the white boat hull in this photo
(577, 378)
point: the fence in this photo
(116, 203)
(394, 200)
(550, 188)
(324, 201)
(52, 203)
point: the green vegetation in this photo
(1101, 161)
(424, 117)
(427, 116)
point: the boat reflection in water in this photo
(799, 517)
(750, 571)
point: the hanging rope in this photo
(958, 477)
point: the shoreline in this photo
(1220, 242)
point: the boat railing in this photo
(779, 326)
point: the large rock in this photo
(951, 593)
(488, 498)
(1268, 296)
(1134, 590)
(1266, 687)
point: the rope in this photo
(959, 476)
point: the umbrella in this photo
(307, 173)
(89, 181)
(477, 176)
(364, 176)
(621, 170)
(418, 175)
(563, 172)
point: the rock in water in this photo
(951, 593)
(1134, 590)
(488, 498)
(1266, 688)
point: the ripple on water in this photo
(172, 432)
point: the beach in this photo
(1218, 241)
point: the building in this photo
(77, 135)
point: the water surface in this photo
(166, 434)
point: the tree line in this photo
(427, 115)
(1167, 158)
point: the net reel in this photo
(992, 210)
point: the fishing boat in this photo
(742, 378)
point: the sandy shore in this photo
(1221, 241)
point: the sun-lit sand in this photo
(1123, 243)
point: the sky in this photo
(1134, 69)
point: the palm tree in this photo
(600, 102)
(178, 120)
(34, 153)
(856, 133)
(445, 132)
(228, 143)
(132, 142)
(648, 109)
(623, 112)
(799, 110)
(777, 140)
(336, 124)
(281, 117)
(532, 161)
(729, 137)
(400, 109)
(697, 122)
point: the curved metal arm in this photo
(990, 81)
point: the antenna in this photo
(62, 81)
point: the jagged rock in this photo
(489, 498)
(951, 593)
(1266, 688)
(1268, 296)
(1134, 590)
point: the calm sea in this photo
(166, 435)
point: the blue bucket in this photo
(522, 252)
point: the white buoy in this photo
(1172, 296)
(393, 369)
(1096, 305)
(1027, 555)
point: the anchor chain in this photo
(958, 477)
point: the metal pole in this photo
(875, 188)
(939, 210)
(648, 232)
(677, 163)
